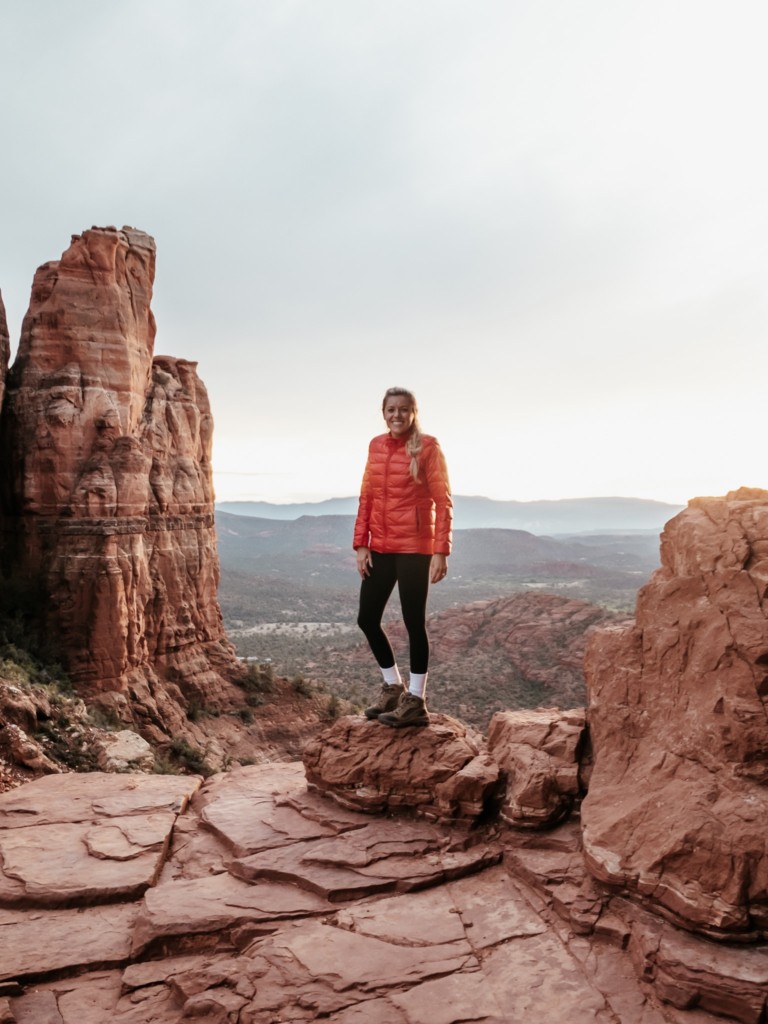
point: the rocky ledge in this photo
(252, 898)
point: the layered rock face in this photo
(5, 347)
(252, 900)
(678, 714)
(108, 500)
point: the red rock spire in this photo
(110, 508)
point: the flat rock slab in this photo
(90, 999)
(38, 942)
(382, 857)
(96, 862)
(256, 808)
(216, 904)
(454, 912)
(110, 835)
(93, 796)
(472, 950)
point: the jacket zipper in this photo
(390, 453)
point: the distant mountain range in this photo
(565, 516)
(270, 566)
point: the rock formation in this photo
(671, 859)
(5, 347)
(46, 728)
(678, 715)
(540, 637)
(445, 777)
(540, 754)
(108, 502)
(252, 899)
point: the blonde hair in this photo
(414, 444)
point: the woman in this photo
(403, 536)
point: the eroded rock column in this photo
(108, 501)
(678, 713)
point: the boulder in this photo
(538, 752)
(124, 751)
(439, 771)
(25, 751)
(678, 702)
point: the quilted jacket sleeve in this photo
(361, 537)
(440, 492)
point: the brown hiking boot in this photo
(388, 698)
(410, 710)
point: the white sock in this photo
(418, 684)
(392, 676)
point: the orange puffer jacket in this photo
(400, 515)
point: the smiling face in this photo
(399, 415)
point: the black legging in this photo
(411, 573)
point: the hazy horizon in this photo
(548, 220)
(482, 497)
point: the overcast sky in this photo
(548, 218)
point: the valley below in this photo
(507, 627)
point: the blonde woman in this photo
(402, 536)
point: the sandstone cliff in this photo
(678, 715)
(5, 347)
(107, 503)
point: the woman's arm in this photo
(361, 536)
(440, 492)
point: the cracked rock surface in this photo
(251, 898)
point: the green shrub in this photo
(164, 766)
(21, 665)
(194, 711)
(258, 679)
(104, 718)
(190, 758)
(301, 686)
(334, 706)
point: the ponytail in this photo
(413, 447)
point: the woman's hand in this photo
(364, 561)
(438, 568)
